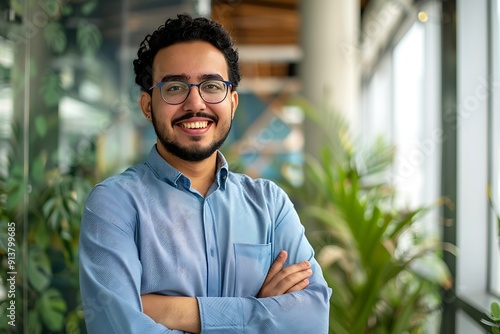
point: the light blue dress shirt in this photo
(147, 231)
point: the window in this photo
(409, 117)
(400, 101)
(376, 104)
(477, 159)
(409, 72)
(495, 147)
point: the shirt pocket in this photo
(252, 262)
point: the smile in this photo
(194, 125)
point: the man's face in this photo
(194, 129)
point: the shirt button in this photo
(212, 253)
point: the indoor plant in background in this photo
(386, 275)
(493, 318)
(48, 273)
(46, 294)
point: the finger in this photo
(286, 279)
(276, 266)
(290, 270)
(278, 283)
(282, 280)
(292, 280)
(299, 286)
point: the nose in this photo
(194, 102)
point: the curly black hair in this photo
(182, 29)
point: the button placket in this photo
(213, 286)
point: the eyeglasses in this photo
(176, 92)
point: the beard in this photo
(187, 153)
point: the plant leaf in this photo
(38, 168)
(41, 126)
(34, 324)
(495, 310)
(88, 37)
(51, 89)
(3, 235)
(52, 7)
(15, 193)
(88, 7)
(52, 309)
(67, 10)
(41, 236)
(39, 271)
(73, 321)
(55, 36)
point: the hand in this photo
(280, 281)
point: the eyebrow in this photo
(183, 77)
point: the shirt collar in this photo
(167, 173)
(222, 170)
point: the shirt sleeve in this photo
(110, 270)
(305, 311)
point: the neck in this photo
(201, 173)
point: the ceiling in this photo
(274, 23)
(250, 21)
(273, 26)
(253, 22)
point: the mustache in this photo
(195, 114)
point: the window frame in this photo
(494, 146)
(476, 34)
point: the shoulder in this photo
(131, 176)
(259, 187)
(120, 186)
(116, 199)
(247, 181)
(266, 195)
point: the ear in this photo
(234, 103)
(145, 103)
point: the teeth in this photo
(195, 125)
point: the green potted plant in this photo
(386, 275)
(493, 320)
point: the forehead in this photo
(192, 59)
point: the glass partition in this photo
(68, 118)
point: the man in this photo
(180, 243)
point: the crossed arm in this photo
(182, 313)
(111, 275)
